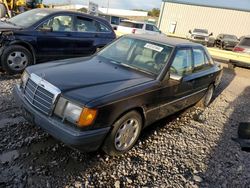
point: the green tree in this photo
(155, 12)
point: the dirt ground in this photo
(190, 149)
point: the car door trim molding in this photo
(155, 108)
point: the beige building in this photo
(180, 16)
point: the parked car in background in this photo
(46, 34)
(243, 46)
(201, 36)
(105, 100)
(136, 27)
(226, 41)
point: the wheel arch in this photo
(27, 46)
(138, 109)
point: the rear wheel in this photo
(15, 59)
(124, 134)
(206, 99)
(3, 10)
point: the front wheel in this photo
(15, 59)
(124, 134)
(206, 99)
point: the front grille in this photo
(199, 38)
(39, 96)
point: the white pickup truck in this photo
(135, 27)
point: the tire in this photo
(123, 128)
(15, 59)
(244, 131)
(206, 99)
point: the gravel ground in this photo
(191, 149)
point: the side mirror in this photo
(160, 31)
(190, 31)
(46, 29)
(175, 77)
(211, 34)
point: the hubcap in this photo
(126, 134)
(17, 60)
(209, 95)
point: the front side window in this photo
(85, 25)
(138, 54)
(182, 63)
(60, 23)
(102, 28)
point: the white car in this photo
(135, 27)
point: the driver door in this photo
(57, 43)
(175, 95)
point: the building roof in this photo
(163, 39)
(241, 5)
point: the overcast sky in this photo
(149, 4)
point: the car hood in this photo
(4, 26)
(230, 40)
(86, 79)
(200, 34)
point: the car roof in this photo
(54, 10)
(164, 39)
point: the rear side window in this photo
(131, 24)
(149, 27)
(85, 25)
(245, 42)
(201, 61)
(102, 27)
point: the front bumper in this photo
(203, 42)
(86, 141)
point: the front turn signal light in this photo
(87, 117)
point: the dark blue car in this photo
(47, 34)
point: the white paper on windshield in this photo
(153, 47)
(41, 14)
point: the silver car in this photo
(243, 46)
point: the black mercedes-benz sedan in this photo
(107, 99)
(41, 35)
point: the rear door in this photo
(89, 35)
(57, 43)
(203, 69)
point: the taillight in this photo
(238, 49)
(133, 31)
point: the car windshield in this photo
(230, 37)
(200, 31)
(28, 18)
(131, 24)
(142, 55)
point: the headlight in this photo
(206, 38)
(24, 78)
(73, 113)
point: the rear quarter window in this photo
(245, 42)
(132, 25)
